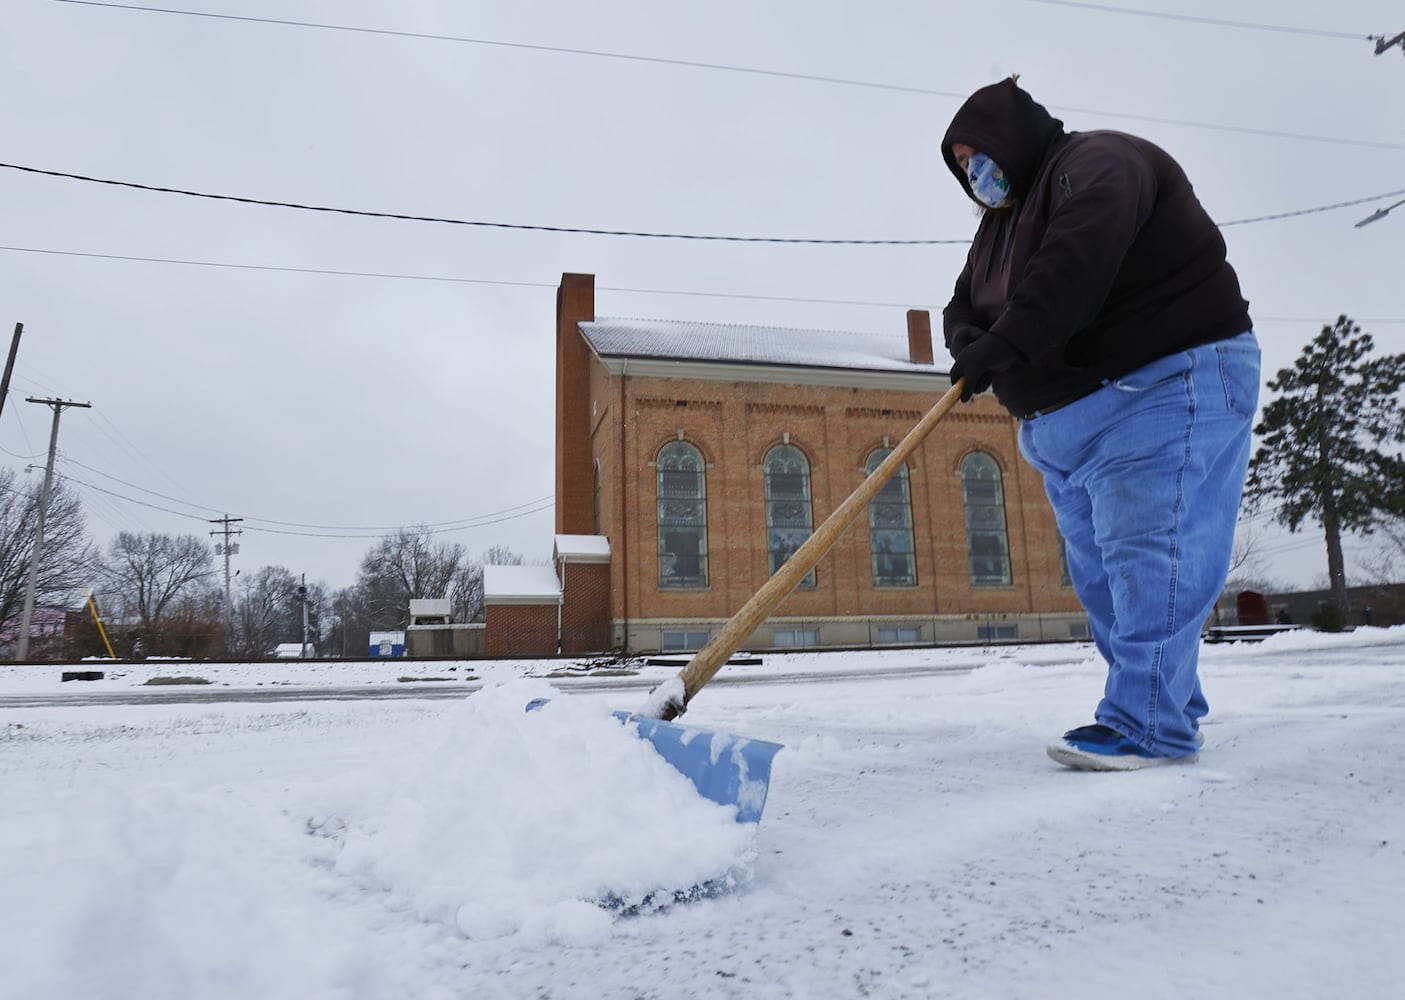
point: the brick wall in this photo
(575, 302)
(585, 608)
(520, 630)
(625, 419)
(734, 424)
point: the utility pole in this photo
(10, 366)
(227, 549)
(1382, 43)
(28, 616)
(302, 596)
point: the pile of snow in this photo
(497, 823)
(518, 820)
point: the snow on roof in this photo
(583, 548)
(681, 340)
(520, 585)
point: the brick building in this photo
(51, 630)
(693, 458)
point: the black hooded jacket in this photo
(1105, 262)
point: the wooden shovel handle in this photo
(710, 659)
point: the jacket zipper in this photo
(1007, 243)
(1004, 240)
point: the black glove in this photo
(959, 338)
(979, 360)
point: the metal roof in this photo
(521, 585)
(681, 340)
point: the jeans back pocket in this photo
(1240, 364)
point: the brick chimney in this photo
(919, 336)
(575, 303)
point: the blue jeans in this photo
(1145, 477)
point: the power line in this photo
(527, 47)
(1220, 22)
(602, 232)
(274, 267)
(139, 503)
(453, 279)
(1310, 211)
(720, 67)
(307, 534)
(1241, 129)
(460, 222)
(691, 293)
(464, 522)
(542, 508)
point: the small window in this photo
(1079, 630)
(989, 632)
(899, 635)
(890, 528)
(795, 638)
(1064, 578)
(595, 498)
(789, 518)
(987, 542)
(682, 489)
(685, 641)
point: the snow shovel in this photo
(729, 769)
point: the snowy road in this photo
(200, 695)
(917, 844)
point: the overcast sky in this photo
(327, 408)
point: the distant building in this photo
(692, 459)
(1381, 604)
(387, 644)
(294, 650)
(49, 631)
(433, 631)
(431, 611)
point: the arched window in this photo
(789, 519)
(890, 528)
(682, 481)
(986, 540)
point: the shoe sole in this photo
(1084, 760)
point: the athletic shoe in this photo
(1099, 748)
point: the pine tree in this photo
(1326, 439)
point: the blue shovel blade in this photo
(729, 770)
(726, 769)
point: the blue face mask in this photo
(987, 183)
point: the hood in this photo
(1006, 124)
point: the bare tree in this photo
(501, 555)
(1245, 559)
(192, 624)
(266, 612)
(403, 565)
(346, 629)
(467, 592)
(1382, 564)
(146, 575)
(466, 595)
(66, 559)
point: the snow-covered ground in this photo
(917, 841)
